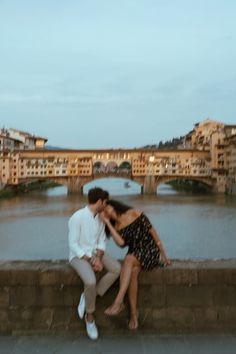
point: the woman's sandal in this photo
(114, 312)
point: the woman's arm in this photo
(115, 235)
(157, 240)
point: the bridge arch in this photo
(125, 165)
(116, 185)
(165, 179)
(112, 167)
(99, 167)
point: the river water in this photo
(34, 226)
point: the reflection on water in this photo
(115, 186)
(34, 226)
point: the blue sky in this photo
(105, 73)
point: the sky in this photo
(116, 74)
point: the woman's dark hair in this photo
(120, 208)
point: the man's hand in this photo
(96, 264)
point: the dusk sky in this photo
(105, 73)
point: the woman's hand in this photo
(165, 260)
(103, 217)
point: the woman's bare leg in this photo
(129, 263)
(133, 294)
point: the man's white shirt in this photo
(86, 234)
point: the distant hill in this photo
(169, 144)
(50, 147)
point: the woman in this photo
(130, 227)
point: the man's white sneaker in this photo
(81, 306)
(91, 329)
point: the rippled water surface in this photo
(34, 226)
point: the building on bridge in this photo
(207, 154)
(75, 168)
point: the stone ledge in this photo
(187, 297)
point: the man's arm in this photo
(99, 254)
(100, 248)
(101, 242)
(74, 236)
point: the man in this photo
(87, 245)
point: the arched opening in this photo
(56, 187)
(98, 168)
(186, 185)
(115, 186)
(165, 189)
(111, 167)
(36, 185)
(125, 166)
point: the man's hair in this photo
(94, 194)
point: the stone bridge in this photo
(75, 168)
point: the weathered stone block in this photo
(205, 315)
(227, 315)
(188, 296)
(182, 316)
(230, 276)
(173, 320)
(61, 319)
(21, 319)
(3, 316)
(24, 277)
(49, 277)
(146, 318)
(224, 295)
(5, 322)
(43, 318)
(69, 276)
(212, 276)
(5, 277)
(71, 295)
(75, 323)
(153, 295)
(24, 296)
(147, 277)
(180, 276)
(4, 297)
(49, 296)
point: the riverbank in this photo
(22, 189)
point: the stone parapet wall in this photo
(187, 297)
